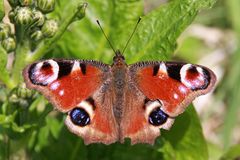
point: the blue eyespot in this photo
(79, 117)
(157, 117)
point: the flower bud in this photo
(46, 6)
(23, 92)
(49, 28)
(38, 18)
(81, 10)
(5, 30)
(26, 2)
(37, 35)
(11, 16)
(23, 16)
(9, 44)
(13, 3)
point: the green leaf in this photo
(5, 120)
(38, 101)
(232, 153)
(3, 58)
(167, 150)
(2, 12)
(215, 151)
(32, 139)
(42, 138)
(8, 122)
(4, 107)
(55, 126)
(17, 128)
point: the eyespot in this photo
(194, 77)
(79, 117)
(157, 117)
(43, 73)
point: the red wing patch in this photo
(168, 90)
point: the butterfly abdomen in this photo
(119, 87)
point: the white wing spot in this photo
(55, 71)
(163, 68)
(175, 96)
(75, 66)
(183, 74)
(183, 89)
(54, 85)
(61, 93)
(201, 73)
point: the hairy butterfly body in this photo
(108, 103)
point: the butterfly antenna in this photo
(134, 30)
(106, 36)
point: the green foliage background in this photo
(37, 132)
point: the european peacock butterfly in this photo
(107, 103)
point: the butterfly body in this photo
(119, 70)
(108, 103)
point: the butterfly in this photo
(108, 103)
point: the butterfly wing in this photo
(163, 91)
(74, 87)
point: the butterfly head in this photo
(119, 59)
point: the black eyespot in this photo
(79, 117)
(157, 117)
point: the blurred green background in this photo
(205, 32)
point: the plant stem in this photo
(48, 44)
(21, 52)
(7, 148)
(20, 60)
